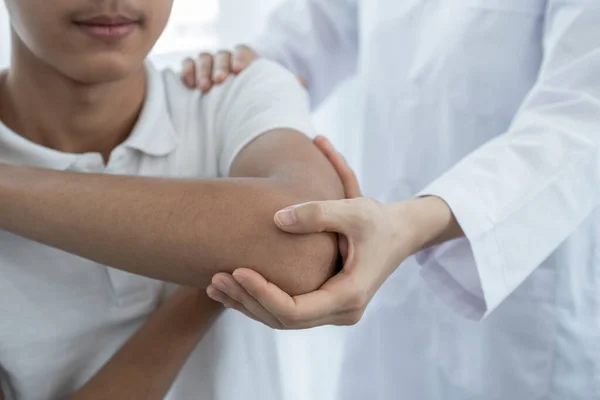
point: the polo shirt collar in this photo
(153, 134)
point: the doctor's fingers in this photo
(338, 302)
(220, 297)
(243, 56)
(353, 218)
(221, 67)
(212, 69)
(208, 69)
(339, 163)
(188, 73)
(198, 73)
(236, 297)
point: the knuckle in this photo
(222, 66)
(246, 301)
(243, 48)
(320, 213)
(188, 63)
(365, 211)
(358, 301)
(359, 214)
(228, 303)
(277, 325)
(223, 53)
(371, 201)
(204, 57)
(364, 216)
(353, 318)
(244, 53)
(205, 62)
(235, 294)
(289, 321)
(223, 60)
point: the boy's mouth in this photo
(107, 26)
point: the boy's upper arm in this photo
(264, 98)
(291, 157)
(263, 124)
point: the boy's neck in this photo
(48, 108)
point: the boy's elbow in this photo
(309, 264)
(300, 263)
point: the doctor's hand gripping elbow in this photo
(374, 240)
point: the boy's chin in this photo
(97, 70)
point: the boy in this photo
(87, 128)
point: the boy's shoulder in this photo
(259, 79)
(256, 88)
(263, 97)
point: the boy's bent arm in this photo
(184, 231)
(149, 362)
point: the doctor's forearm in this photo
(167, 229)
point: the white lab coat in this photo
(494, 105)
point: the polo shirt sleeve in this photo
(262, 98)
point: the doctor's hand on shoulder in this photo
(374, 240)
(207, 69)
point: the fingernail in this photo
(212, 292)
(220, 286)
(286, 217)
(204, 82)
(209, 292)
(239, 277)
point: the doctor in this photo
(487, 113)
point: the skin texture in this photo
(74, 93)
(183, 231)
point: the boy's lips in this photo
(107, 26)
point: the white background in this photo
(310, 359)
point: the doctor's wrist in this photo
(428, 221)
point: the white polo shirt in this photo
(63, 317)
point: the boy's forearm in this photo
(173, 230)
(147, 365)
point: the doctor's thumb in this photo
(318, 216)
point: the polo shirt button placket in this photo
(117, 161)
(92, 163)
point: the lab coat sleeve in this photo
(315, 39)
(521, 195)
